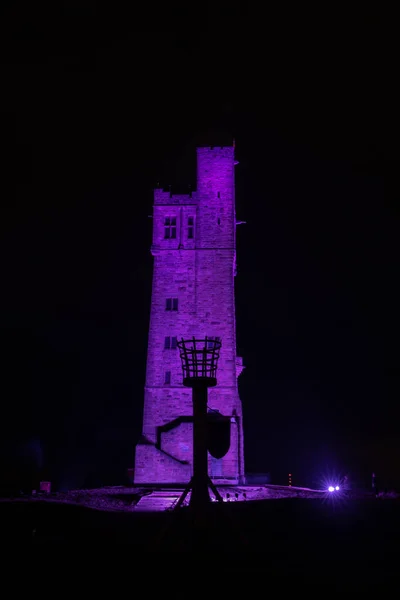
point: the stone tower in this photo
(194, 249)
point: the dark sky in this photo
(95, 110)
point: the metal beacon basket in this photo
(199, 359)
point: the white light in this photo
(331, 488)
(337, 488)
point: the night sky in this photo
(96, 109)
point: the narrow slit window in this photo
(167, 377)
(190, 228)
(171, 304)
(170, 343)
(210, 343)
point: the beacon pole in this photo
(199, 365)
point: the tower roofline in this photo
(202, 149)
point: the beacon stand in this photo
(199, 359)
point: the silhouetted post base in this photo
(189, 487)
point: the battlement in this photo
(166, 198)
(214, 170)
(223, 151)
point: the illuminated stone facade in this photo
(194, 249)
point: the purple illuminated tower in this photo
(194, 249)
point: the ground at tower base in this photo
(298, 531)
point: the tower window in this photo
(210, 343)
(190, 228)
(170, 228)
(167, 377)
(170, 343)
(171, 304)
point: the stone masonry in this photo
(194, 249)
